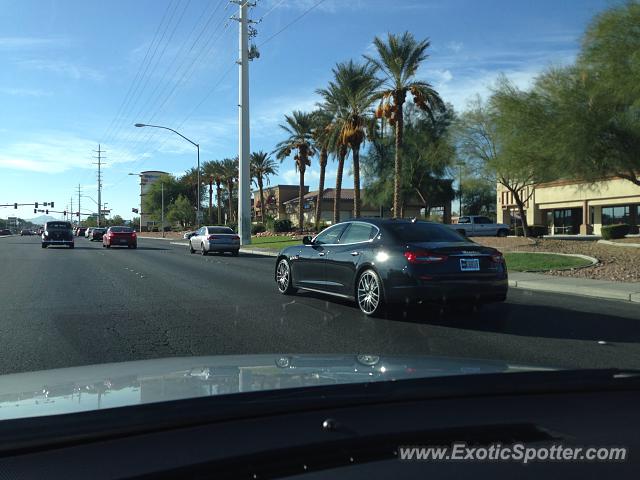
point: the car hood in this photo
(94, 387)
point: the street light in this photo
(197, 147)
(161, 208)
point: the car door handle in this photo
(321, 254)
(355, 254)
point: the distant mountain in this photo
(42, 219)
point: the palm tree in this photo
(229, 175)
(322, 128)
(213, 169)
(190, 181)
(399, 59)
(299, 126)
(350, 96)
(261, 167)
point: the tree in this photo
(181, 211)
(214, 169)
(172, 187)
(322, 128)
(349, 97)
(262, 166)
(299, 126)
(229, 176)
(478, 196)
(496, 138)
(429, 154)
(116, 220)
(398, 60)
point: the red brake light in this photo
(421, 256)
(133, 234)
(212, 237)
(236, 237)
(497, 257)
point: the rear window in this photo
(424, 232)
(220, 230)
(121, 230)
(58, 225)
(464, 220)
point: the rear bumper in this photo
(450, 291)
(57, 242)
(222, 247)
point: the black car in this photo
(5, 231)
(386, 261)
(57, 233)
(97, 233)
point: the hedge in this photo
(614, 231)
(257, 228)
(534, 230)
(283, 225)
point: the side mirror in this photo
(307, 240)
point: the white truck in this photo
(479, 226)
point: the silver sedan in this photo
(215, 239)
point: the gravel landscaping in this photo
(616, 263)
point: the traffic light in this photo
(46, 211)
(35, 210)
(51, 204)
(65, 213)
(15, 206)
(36, 205)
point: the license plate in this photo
(123, 241)
(469, 264)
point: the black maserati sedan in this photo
(379, 262)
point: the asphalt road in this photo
(61, 307)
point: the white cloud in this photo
(12, 43)
(25, 92)
(57, 152)
(63, 68)
(455, 46)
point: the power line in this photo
(291, 22)
(135, 80)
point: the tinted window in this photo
(358, 232)
(483, 220)
(58, 225)
(464, 220)
(424, 232)
(220, 230)
(331, 234)
(120, 229)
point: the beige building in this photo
(275, 197)
(574, 207)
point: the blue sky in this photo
(74, 76)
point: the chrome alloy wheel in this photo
(283, 276)
(368, 292)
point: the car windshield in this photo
(58, 225)
(255, 194)
(220, 230)
(424, 232)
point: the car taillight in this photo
(236, 237)
(497, 257)
(133, 234)
(422, 256)
(212, 237)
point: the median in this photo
(544, 262)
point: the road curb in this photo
(620, 244)
(256, 251)
(581, 291)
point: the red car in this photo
(120, 236)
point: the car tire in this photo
(369, 296)
(135, 246)
(104, 246)
(203, 251)
(235, 253)
(503, 233)
(71, 245)
(284, 280)
(191, 250)
(44, 245)
(108, 246)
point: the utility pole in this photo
(162, 207)
(99, 163)
(244, 179)
(79, 194)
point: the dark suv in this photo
(57, 233)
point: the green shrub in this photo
(257, 228)
(609, 232)
(283, 225)
(534, 230)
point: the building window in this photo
(614, 215)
